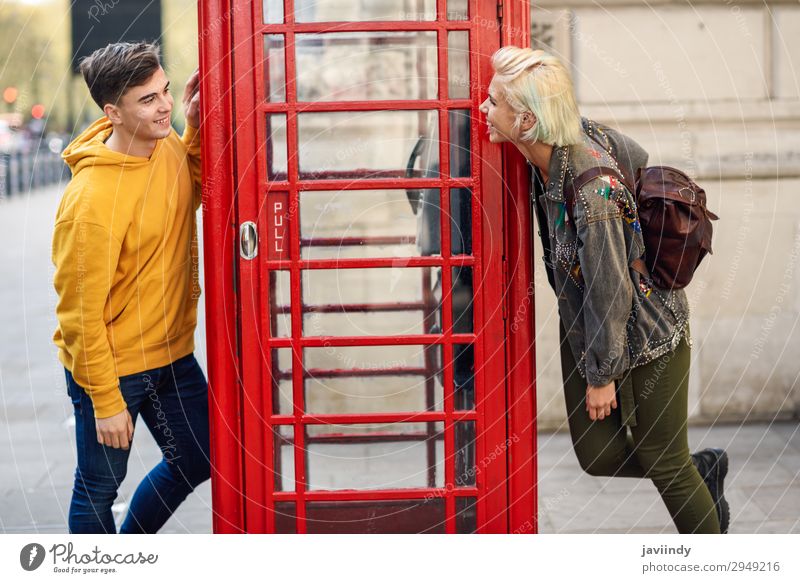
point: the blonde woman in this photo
(625, 345)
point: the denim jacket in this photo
(614, 318)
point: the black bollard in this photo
(5, 176)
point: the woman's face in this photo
(499, 116)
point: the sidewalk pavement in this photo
(37, 454)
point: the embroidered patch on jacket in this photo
(607, 188)
(629, 212)
(562, 217)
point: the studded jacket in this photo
(614, 318)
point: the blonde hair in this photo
(538, 82)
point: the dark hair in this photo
(111, 71)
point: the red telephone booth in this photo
(368, 269)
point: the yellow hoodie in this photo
(125, 252)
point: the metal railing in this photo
(23, 171)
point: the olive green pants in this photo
(658, 446)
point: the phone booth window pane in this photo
(460, 165)
(428, 211)
(274, 68)
(272, 11)
(277, 160)
(372, 379)
(279, 300)
(369, 302)
(466, 515)
(375, 456)
(376, 516)
(456, 9)
(281, 381)
(283, 459)
(462, 298)
(367, 144)
(285, 518)
(366, 66)
(465, 453)
(464, 376)
(363, 11)
(458, 64)
(461, 221)
(369, 223)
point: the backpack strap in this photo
(629, 184)
(640, 267)
(584, 178)
(571, 191)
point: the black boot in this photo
(712, 463)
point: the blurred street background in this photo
(44, 103)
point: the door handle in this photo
(248, 240)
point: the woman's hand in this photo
(600, 401)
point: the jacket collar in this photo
(557, 173)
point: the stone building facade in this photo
(711, 87)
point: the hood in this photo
(89, 149)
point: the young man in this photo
(125, 252)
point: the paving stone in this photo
(789, 432)
(28, 509)
(758, 472)
(603, 512)
(766, 527)
(743, 505)
(757, 440)
(777, 502)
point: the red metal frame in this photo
(221, 301)
(240, 345)
(520, 350)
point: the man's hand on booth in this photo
(191, 100)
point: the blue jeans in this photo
(173, 401)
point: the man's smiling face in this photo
(144, 111)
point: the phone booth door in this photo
(370, 309)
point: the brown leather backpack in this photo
(676, 224)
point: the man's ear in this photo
(112, 112)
